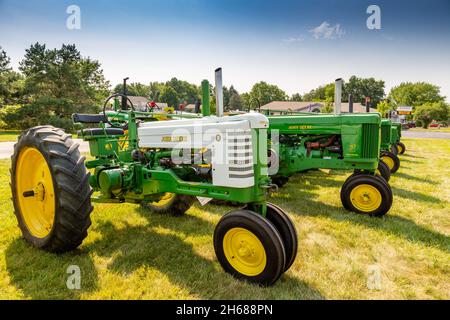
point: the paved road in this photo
(6, 148)
(425, 134)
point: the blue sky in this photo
(252, 40)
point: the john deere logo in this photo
(299, 127)
(174, 139)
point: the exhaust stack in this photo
(219, 93)
(350, 103)
(205, 98)
(337, 96)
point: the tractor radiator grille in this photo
(385, 134)
(240, 155)
(370, 140)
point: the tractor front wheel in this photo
(384, 171)
(249, 247)
(366, 194)
(287, 231)
(50, 189)
(170, 203)
(391, 160)
(401, 148)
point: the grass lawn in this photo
(131, 254)
(8, 135)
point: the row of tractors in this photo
(164, 161)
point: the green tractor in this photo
(301, 142)
(155, 162)
(396, 135)
(345, 141)
(389, 150)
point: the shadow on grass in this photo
(406, 155)
(161, 244)
(398, 226)
(43, 275)
(413, 195)
(410, 177)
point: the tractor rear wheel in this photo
(249, 247)
(366, 194)
(391, 160)
(50, 189)
(401, 148)
(170, 203)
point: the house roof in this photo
(291, 105)
(309, 106)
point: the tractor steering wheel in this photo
(106, 104)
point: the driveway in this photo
(7, 148)
(425, 134)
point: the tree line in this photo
(51, 84)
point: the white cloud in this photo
(326, 31)
(293, 39)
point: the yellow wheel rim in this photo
(366, 198)
(35, 192)
(399, 148)
(244, 251)
(165, 199)
(389, 161)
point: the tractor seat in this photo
(101, 132)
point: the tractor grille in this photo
(370, 141)
(385, 134)
(240, 155)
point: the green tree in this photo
(186, 92)
(169, 96)
(426, 113)
(263, 93)
(415, 94)
(11, 82)
(58, 82)
(63, 74)
(296, 97)
(383, 107)
(360, 88)
(321, 93)
(134, 89)
(235, 102)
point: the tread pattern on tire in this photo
(394, 158)
(378, 182)
(265, 230)
(71, 186)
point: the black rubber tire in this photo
(394, 149)
(177, 206)
(394, 158)
(378, 182)
(280, 181)
(402, 149)
(384, 170)
(265, 231)
(287, 231)
(71, 186)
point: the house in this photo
(275, 107)
(140, 103)
(293, 106)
